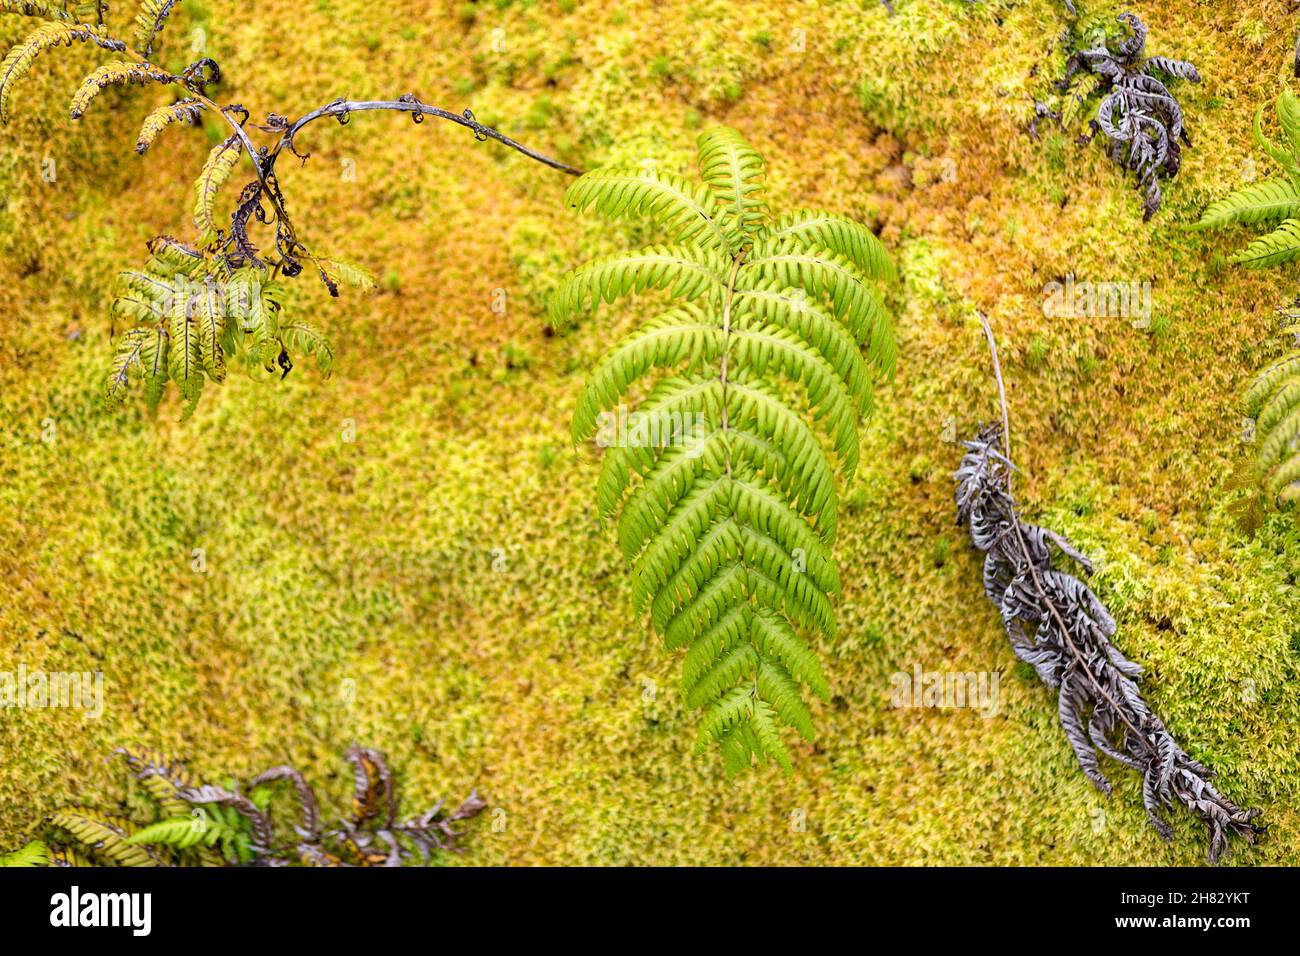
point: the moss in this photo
(445, 567)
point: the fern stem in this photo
(340, 109)
(726, 345)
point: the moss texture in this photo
(438, 587)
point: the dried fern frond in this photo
(221, 162)
(1137, 113)
(116, 73)
(187, 110)
(1059, 626)
(729, 518)
(18, 63)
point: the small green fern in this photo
(1273, 400)
(203, 824)
(1271, 201)
(34, 854)
(729, 529)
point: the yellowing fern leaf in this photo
(221, 162)
(103, 835)
(117, 72)
(21, 57)
(182, 111)
(149, 21)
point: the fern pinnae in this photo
(37, 8)
(118, 72)
(54, 33)
(729, 526)
(1266, 201)
(104, 835)
(1277, 247)
(687, 213)
(220, 164)
(819, 271)
(850, 239)
(686, 271)
(735, 172)
(186, 111)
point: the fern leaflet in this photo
(149, 22)
(117, 72)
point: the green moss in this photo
(445, 564)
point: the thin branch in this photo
(1002, 390)
(341, 109)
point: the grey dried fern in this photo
(1138, 114)
(1060, 627)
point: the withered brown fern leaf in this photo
(1060, 627)
(1137, 113)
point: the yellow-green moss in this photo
(447, 561)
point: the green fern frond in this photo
(1287, 108)
(821, 273)
(210, 319)
(180, 833)
(688, 213)
(1267, 201)
(724, 494)
(18, 63)
(298, 337)
(1279, 246)
(33, 854)
(185, 354)
(185, 111)
(105, 836)
(221, 162)
(110, 74)
(1273, 400)
(149, 21)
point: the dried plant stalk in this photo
(1061, 628)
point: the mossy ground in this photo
(446, 563)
